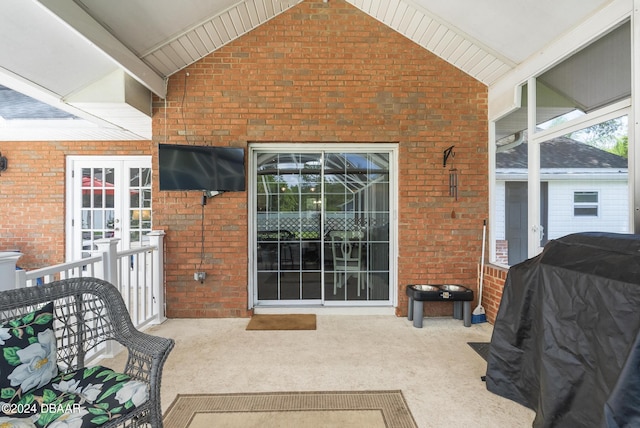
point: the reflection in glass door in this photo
(321, 227)
(98, 207)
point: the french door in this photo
(109, 197)
(322, 227)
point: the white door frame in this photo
(393, 150)
(72, 203)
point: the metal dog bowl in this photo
(424, 287)
(452, 288)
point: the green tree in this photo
(603, 135)
(621, 148)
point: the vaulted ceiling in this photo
(93, 64)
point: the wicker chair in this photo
(88, 312)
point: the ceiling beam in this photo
(83, 24)
(504, 94)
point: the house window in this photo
(585, 204)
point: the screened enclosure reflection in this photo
(583, 187)
(322, 226)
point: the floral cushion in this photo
(28, 358)
(87, 397)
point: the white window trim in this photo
(579, 205)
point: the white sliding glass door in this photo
(322, 227)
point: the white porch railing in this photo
(137, 273)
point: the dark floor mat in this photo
(482, 348)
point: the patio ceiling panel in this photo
(440, 38)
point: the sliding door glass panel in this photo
(288, 229)
(356, 210)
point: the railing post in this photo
(8, 260)
(156, 238)
(21, 278)
(107, 248)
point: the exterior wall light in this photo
(3, 163)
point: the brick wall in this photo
(326, 72)
(320, 72)
(32, 195)
(494, 278)
(502, 252)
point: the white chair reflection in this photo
(346, 248)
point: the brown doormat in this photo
(283, 322)
(371, 409)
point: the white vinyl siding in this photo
(613, 208)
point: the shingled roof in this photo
(14, 105)
(561, 152)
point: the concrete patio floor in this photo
(437, 371)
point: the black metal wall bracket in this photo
(448, 153)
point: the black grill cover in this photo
(566, 339)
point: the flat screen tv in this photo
(206, 168)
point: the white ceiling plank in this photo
(422, 28)
(380, 11)
(391, 12)
(454, 42)
(429, 30)
(180, 50)
(205, 39)
(270, 8)
(481, 65)
(473, 61)
(416, 21)
(214, 34)
(189, 48)
(251, 14)
(364, 5)
(199, 48)
(459, 51)
(282, 6)
(407, 18)
(436, 37)
(160, 62)
(237, 22)
(500, 70)
(221, 30)
(444, 43)
(229, 26)
(400, 20)
(261, 10)
(174, 56)
(467, 57)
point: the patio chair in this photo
(71, 320)
(347, 259)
